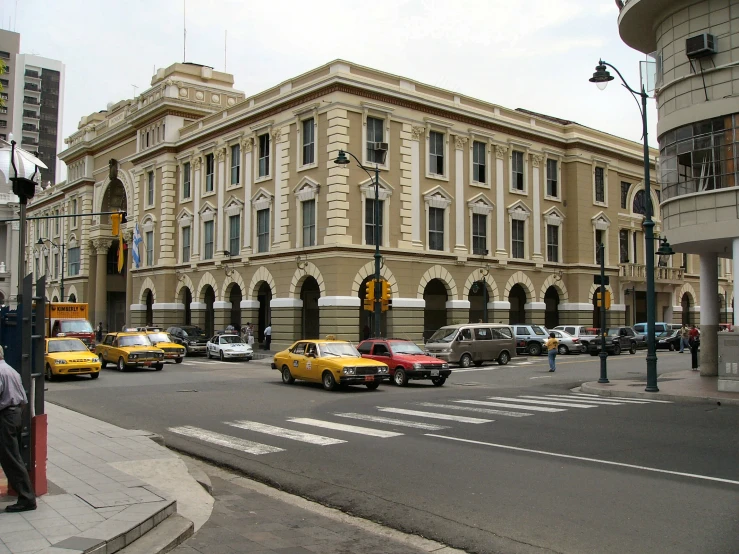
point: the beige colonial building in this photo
(245, 216)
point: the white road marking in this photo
(284, 433)
(545, 402)
(397, 422)
(594, 460)
(599, 400)
(510, 405)
(225, 440)
(471, 409)
(344, 427)
(622, 398)
(542, 377)
(578, 400)
(433, 415)
(491, 368)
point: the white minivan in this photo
(659, 327)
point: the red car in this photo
(405, 360)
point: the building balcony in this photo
(29, 114)
(32, 87)
(31, 101)
(32, 74)
(29, 140)
(636, 22)
(637, 273)
(29, 127)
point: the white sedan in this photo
(228, 347)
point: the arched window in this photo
(640, 203)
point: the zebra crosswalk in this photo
(394, 419)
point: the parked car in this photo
(128, 350)
(669, 340)
(405, 360)
(160, 339)
(69, 356)
(468, 343)
(332, 363)
(568, 344)
(230, 347)
(530, 339)
(581, 332)
(189, 336)
(618, 339)
(659, 327)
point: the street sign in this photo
(607, 279)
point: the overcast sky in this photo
(533, 54)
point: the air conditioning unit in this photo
(700, 46)
(381, 146)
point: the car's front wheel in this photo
(672, 347)
(562, 349)
(121, 364)
(504, 358)
(400, 378)
(287, 377)
(617, 350)
(103, 363)
(49, 373)
(94, 375)
(438, 381)
(220, 355)
(534, 349)
(465, 361)
(373, 385)
(158, 366)
(632, 348)
(329, 381)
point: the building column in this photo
(416, 134)
(535, 312)
(501, 311)
(286, 322)
(735, 276)
(459, 203)
(220, 161)
(221, 315)
(101, 274)
(405, 320)
(536, 190)
(709, 314)
(196, 190)
(339, 316)
(128, 237)
(500, 219)
(246, 148)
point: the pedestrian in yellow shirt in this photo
(552, 345)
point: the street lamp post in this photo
(60, 248)
(602, 77)
(603, 354)
(380, 149)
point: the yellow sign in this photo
(66, 310)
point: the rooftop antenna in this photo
(134, 90)
(184, 31)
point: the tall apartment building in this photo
(245, 216)
(10, 44)
(696, 43)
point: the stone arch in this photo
(557, 283)
(205, 280)
(477, 275)
(368, 270)
(228, 282)
(310, 270)
(441, 273)
(54, 292)
(657, 216)
(520, 278)
(261, 274)
(594, 288)
(687, 287)
(148, 284)
(183, 282)
(73, 292)
(126, 181)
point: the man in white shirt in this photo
(267, 337)
(12, 400)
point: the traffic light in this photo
(608, 299)
(368, 302)
(385, 290)
(115, 222)
(370, 290)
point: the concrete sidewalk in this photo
(107, 487)
(677, 386)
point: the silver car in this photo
(568, 344)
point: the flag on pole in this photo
(136, 241)
(120, 251)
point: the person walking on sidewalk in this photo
(12, 400)
(684, 338)
(267, 336)
(552, 347)
(694, 343)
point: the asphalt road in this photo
(473, 464)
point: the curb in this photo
(591, 389)
(166, 536)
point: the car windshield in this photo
(231, 339)
(67, 345)
(158, 337)
(405, 348)
(192, 331)
(612, 332)
(443, 335)
(134, 340)
(339, 349)
(76, 326)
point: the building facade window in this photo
(639, 205)
(208, 240)
(552, 178)
(623, 246)
(186, 180)
(235, 164)
(369, 220)
(600, 185)
(209, 170)
(436, 228)
(479, 234)
(518, 243)
(309, 142)
(150, 188)
(635, 243)
(186, 244)
(234, 234)
(149, 238)
(375, 133)
(56, 265)
(599, 236)
(263, 230)
(624, 193)
(74, 261)
(264, 155)
(309, 223)
(74, 212)
(517, 170)
(56, 223)
(479, 155)
(436, 153)
(552, 243)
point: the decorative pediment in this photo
(148, 223)
(207, 212)
(553, 216)
(384, 191)
(519, 211)
(261, 200)
(184, 218)
(601, 221)
(480, 204)
(437, 197)
(233, 206)
(306, 189)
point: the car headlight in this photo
(382, 370)
(417, 366)
(349, 371)
(446, 350)
(132, 356)
(60, 362)
(444, 366)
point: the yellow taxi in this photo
(69, 356)
(129, 349)
(160, 339)
(329, 362)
